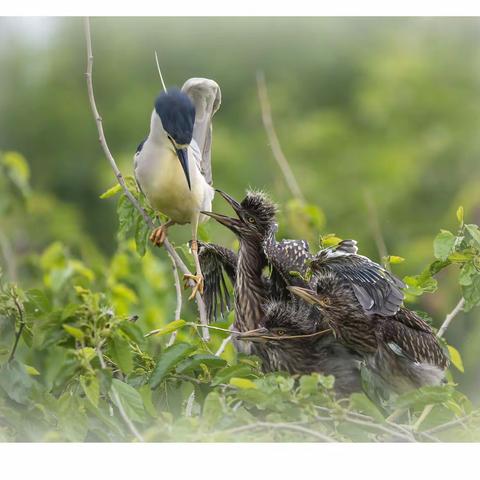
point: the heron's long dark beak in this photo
(231, 201)
(182, 155)
(310, 296)
(229, 222)
(257, 335)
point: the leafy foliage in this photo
(86, 368)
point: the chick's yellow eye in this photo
(251, 220)
(281, 332)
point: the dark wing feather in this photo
(376, 289)
(284, 258)
(215, 262)
(414, 337)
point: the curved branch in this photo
(458, 308)
(103, 142)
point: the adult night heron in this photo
(173, 164)
(400, 350)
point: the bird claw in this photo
(198, 287)
(159, 235)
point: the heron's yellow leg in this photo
(198, 277)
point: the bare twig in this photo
(20, 329)
(458, 308)
(118, 401)
(376, 229)
(273, 138)
(223, 345)
(281, 426)
(364, 420)
(103, 142)
(446, 426)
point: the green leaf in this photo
(455, 358)
(133, 331)
(121, 353)
(423, 396)
(91, 387)
(327, 381)
(224, 375)
(40, 300)
(111, 191)
(31, 370)
(126, 216)
(394, 259)
(443, 244)
(467, 272)
(168, 360)
(74, 331)
(212, 409)
(242, 383)
(474, 233)
(309, 384)
(16, 382)
(130, 399)
(471, 292)
(72, 421)
(195, 361)
(169, 328)
(146, 394)
(360, 402)
(141, 235)
(460, 214)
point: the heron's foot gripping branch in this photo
(198, 287)
(159, 235)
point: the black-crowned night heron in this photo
(400, 350)
(173, 164)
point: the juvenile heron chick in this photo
(293, 337)
(401, 350)
(172, 165)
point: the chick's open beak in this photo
(229, 222)
(231, 201)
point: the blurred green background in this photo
(385, 108)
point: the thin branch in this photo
(446, 426)
(118, 401)
(223, 345)
(20, 329)
(376, 229)
(458, 308)
(364, 420)
(273, 138)
(178, 308)
(103, 142)
(281, 426)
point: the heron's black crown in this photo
(258, 204)
(177, 113)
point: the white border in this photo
(243, 7)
